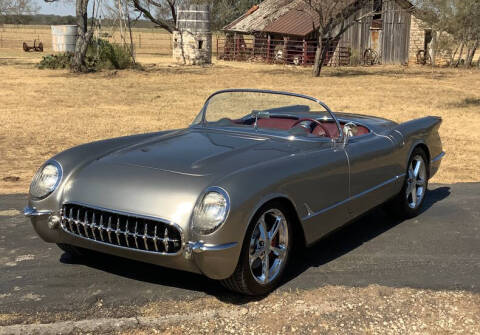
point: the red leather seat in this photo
(276, 123)
(333, 130)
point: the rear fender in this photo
(423, 132)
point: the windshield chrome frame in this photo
(248, 90)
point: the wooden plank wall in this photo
(357, 37)
(396, 33)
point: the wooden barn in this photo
(286, 31)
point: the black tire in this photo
(74, 252)
(242, 280)
(401, 204)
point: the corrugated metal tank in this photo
(64, 38)
(194, 18)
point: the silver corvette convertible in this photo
(257, 175)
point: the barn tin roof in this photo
(267, 12)
(286, 17)
(297, 21)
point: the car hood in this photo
(199, 152)
(164, 176)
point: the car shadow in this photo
(329, 248)
(353, 235)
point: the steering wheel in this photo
(325, 129)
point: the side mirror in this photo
(349, 130)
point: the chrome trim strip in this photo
(135, 234)
(32, 212)
(394, 179)
(200, 247)
(439, 157)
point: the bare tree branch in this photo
(145, 10)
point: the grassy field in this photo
(43, 112)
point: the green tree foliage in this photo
(460, 19)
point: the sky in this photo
(61, 7)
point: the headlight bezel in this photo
(198, 206)
(37, 176)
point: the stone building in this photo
(192, 41)
(394, 33)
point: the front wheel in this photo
(265, 252)
(409, 202)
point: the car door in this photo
(321, 188)
(374, 171)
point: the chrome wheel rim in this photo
(416, 182)
(268, 246)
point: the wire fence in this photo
(284, 51)
(145, 41)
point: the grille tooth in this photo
(117, 231)
(135, 235)
(109, 229)
(127, 233)
(70, 219)
(85, 224)
(93, 225)
(165, 239)
(77, 222)
(156, 236)
(101, 227)
(145, 238)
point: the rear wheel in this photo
(265, 252)
(409, 202)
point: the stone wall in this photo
(417, 39)
(192, 48)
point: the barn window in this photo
(377, 8)
(200, 44)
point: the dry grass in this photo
(43, 112)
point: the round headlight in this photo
(211, 212)
(46, 180)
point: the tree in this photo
(164, 12)
(17, 8)
(458, 18)
(84, 35)
(333, 21)
(165, 15)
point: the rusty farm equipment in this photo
(37, 46)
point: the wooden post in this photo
(217, 46)
(268, 48)
(253, 47)
(234, 46)
(139, 41)
(305, 52)
(285, 49)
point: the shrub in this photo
(57, 61)
(101, 54)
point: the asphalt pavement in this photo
(439, 250)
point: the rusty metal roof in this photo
(267, 12)
(286, 17)
(298, 22)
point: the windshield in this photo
(269, 111)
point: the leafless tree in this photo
(334, 18)
(18, 7)
(161, 12)
(84, 35)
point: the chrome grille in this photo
(121, 230)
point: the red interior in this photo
(276, 123)
(286, 124)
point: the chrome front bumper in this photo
(216, 261)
